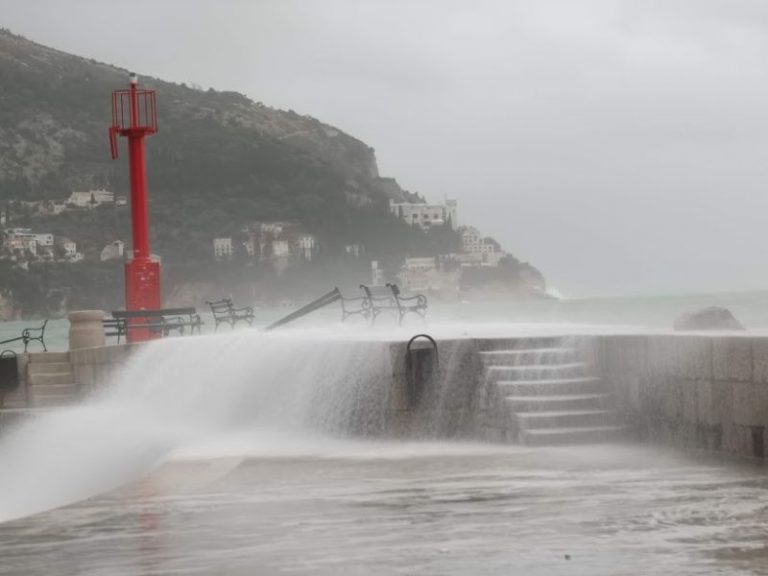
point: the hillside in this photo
(212, 146)
(219, 162)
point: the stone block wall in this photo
(693, 391)
(93, 367)
(441, 403)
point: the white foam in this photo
(243, 392)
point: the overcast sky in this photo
(620, 146)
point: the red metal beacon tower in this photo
(134, 115)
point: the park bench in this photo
(115, 327)
(30, 335)
(355, 306)
(389, 298)
(224, 312)
(163, 321)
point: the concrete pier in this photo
(707, 392)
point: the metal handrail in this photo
(321, 302)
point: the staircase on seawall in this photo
(50, 380)
(544, 391)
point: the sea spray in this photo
(178, 393)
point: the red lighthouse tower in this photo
(134, 115)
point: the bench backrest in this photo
(154, 313)
(120, 325)
(378, 292)
(221, 307)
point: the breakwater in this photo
(691, 391)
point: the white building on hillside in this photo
(44, 239)
(377, 274)
(70, 250)
(91, 198)
(472, 242)
(222, 248)
(250, 247)
(306, 244)
(424, 275)
(113, 250)
(355, 250)
(420, 264)
(425, 215)
(20, 240)
(281, 248)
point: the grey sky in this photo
(621, 146)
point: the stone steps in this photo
(34, 368)
(530, 356)
(11, 417)
(14, 401)
(58, 394)
(54, 400)
(48, 378)
(565, 419)
(55, 390)
(552, 403)
(51, 380)
(48, 357)
(559, 386)
(578, 435)
(538, 371)
(548, 395)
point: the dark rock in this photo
(712, 318)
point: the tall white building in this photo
(306, 246)
(426, 215)
(472, 242)
(377, 274)
(222, 247)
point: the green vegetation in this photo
(219, 161)
(51, 289)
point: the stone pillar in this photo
(86, 329)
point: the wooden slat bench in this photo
(115, 327)
(163, 321)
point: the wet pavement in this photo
(412, 508)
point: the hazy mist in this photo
(620, 146)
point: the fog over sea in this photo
(641, 313)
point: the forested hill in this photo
(219, 163)
(214, 149)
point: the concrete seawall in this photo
(93, 367)
(691, 391)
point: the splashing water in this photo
(243, 392)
